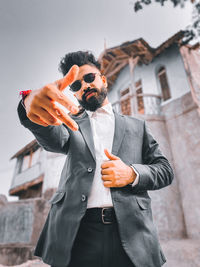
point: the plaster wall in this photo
(183, 124)
(166, 203)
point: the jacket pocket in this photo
(143, 203)
(57, 197)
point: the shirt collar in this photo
(106, 109)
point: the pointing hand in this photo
(40, 103)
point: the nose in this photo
(85, 86)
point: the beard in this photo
(94, 102)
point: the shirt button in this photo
(89, 169)
(83, 198)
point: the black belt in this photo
(103, 215)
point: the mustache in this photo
(88, 90)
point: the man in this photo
(101, 214)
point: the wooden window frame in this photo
(166, 95)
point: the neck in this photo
(105, 102)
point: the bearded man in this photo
(100, 215)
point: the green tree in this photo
(193, 30)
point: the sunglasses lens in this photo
(89, 78)
(75, 86)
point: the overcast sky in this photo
(35, 35)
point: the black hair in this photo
(79, 58)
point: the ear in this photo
(104, 80)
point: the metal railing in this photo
(151, 104)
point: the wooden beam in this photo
(123, 52)
(117, 69)
(122, 58)
(115, 62)
(110, 66)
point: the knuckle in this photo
(60, 96)
(58, 112)
(33, 106)
(29, 114)
(52, 121)
(53, 105)
(50, 118)
(45, 89)
(36, 99)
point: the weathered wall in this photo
(21, 221)
(20, 225)
(166, 203)
(183, 124)
(16, 221)
(191, 59)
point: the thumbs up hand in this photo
(115, 173)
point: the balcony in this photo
(26, 179)
(144, 104)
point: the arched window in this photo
(162, 77)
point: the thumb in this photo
(68, 78)
(109, 155)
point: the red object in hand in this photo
(24, 94)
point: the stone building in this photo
(160, 85)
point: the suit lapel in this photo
(119, 133)
(86, 130)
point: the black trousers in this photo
(98, 245)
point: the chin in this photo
(93, 103)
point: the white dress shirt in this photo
(103, 126)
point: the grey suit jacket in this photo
(134, 145)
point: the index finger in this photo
(68, 78)
(107, 164)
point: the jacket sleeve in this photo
(155, 172)
(51, 138)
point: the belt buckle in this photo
(103, 215)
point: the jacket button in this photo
(83, 198)
(89, 169)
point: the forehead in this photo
(87, 69)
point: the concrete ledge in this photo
(14, 254)
(179, 106)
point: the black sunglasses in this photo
(88, 78)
